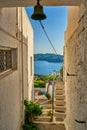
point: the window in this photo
(8, 59)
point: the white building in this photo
(16, 66)
(15, 84)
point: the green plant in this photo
(39, 93)
(50, 101)
(32, 110)
(39, 84)
(50, 113)
(61, 73)
(48, 96)
(30, 126)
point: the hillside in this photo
(48, 57)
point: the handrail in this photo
(53, 87)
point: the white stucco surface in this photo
(15, 85)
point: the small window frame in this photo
(8, 59)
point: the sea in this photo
(46, 68)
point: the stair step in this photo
(46, 111)
(43, 119)
(59, 108)
(60, 97)
(46, 102)
(59, 119)
(46, 106)
(59, 87)
(59, 115)
(59, 92)
(59, 103)
(51, 125)
(40, 100)
(60, 83)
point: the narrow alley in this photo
(69, 104)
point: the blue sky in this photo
(55, 25)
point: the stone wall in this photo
(76, 81)
(72, 24)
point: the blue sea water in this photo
(46, 68)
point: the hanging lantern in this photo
(38, 12)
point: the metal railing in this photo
(53, 88)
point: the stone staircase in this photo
(59, 102)
(59, 105)
(46, 122)
(47, 106)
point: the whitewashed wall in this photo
(16, 84)
(76, 63)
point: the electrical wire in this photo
(48, 37)
(51, 44)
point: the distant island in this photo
(49, 57)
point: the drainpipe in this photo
(17, 22)
(19, 36)
(22, 64)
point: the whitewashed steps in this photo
(46, 111)
(41, 100)
(43, 119)
(60, 109)
(59, 102)
(59, 97)
(59, 119)
(59, 92)
(46, 106)
(60, 114)
(51, 125)
(60, 87)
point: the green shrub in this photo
(61, 73)
(30, 126)
(48, 96)
(39, 84)
(39, 93)
(32, 110)
(50, 113)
